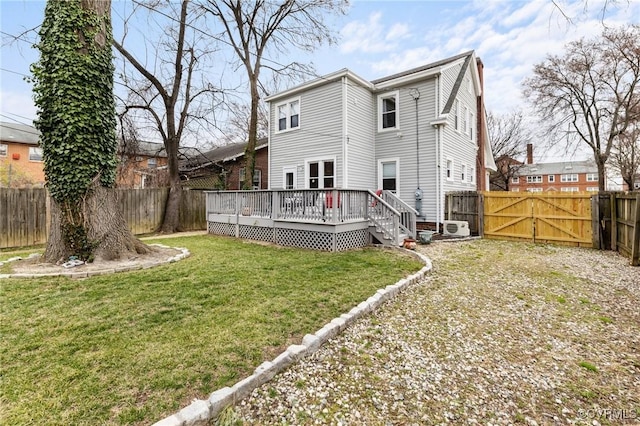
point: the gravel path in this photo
(501, 333)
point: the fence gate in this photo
(563, 218)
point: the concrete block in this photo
(340, 322)
(374, 301)
(329, 331)
(244, 387)
(282, 361)
(219, 400)
(364, 307)
(348, 319)
(297, 351)
(195, 414)
(265, 371)
(312, 343)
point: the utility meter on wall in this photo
(418, 194)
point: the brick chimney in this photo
(529, 153)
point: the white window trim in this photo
(472, 175)
(4, 149)
(471, 121)
(534, 189)
(463, 172)
(465, 116)
(532, 180)
(515, 179)
(41, 154)
(394, 94)
(457, 120)
(569, 177)
(320, 171)
(288, 103)
(592, 177)
(593, 189)
(453, 169)
(290, 169)
(569, 189)
(389, 160)
(551, 178)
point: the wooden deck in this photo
(328, 220)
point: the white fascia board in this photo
(328, 78)
(400, 81)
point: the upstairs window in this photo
(463, 172)
(152, 162)
(515, 179)
(534, 179)
(456, 115)
(3, 149)
(569, 178)
(471, 122)
(551, 178)
(288, 115)
(35, 154)
(591, 177)
(388, 111)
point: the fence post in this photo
(596, 233)
(635, 248)
(613, 200)
(481, 214)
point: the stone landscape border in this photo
(184, 253)
(200, 412)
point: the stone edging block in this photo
(200, 412)
(184, 253)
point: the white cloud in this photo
(372, 36)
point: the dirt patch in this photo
(158, 255)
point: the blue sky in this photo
(378, 38)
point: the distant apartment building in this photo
(566, 176)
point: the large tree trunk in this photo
(95, 229)
(250, 151)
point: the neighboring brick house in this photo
(224, 168)
(143, 165)
(566, 176)
(20, 156)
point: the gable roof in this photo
(221, 154)
(19, 133)
(422, 68)
(403, 77)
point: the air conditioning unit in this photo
(456, 228)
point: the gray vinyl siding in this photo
(458, 145)
(361, 125)
(318, 138)
(401, 144)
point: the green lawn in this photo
(132, 348)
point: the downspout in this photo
(437, 156)
(269, 178)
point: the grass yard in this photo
(132, 348)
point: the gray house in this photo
(416, 135)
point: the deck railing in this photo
(387, 213)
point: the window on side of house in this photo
(288, 180)
(534, 179)
(592, 177)
(449, 169)
(152, 162)
(569, 189)
(534, 189)
(456, 115)
(4, 148)
(471, 122)
(515, 179)
(569, 178)
(515, 189)
(321, 174)
(35, 154)
(388, 171)
(463, 172)
(465, 120)
(472, 174)
(551, 178)
(241, 176)
(288, 115)
(388, 111)
(257, 179)
(593, 189)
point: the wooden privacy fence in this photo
(24, 213)
(605, 220)
(617, 223)
(559, 217)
